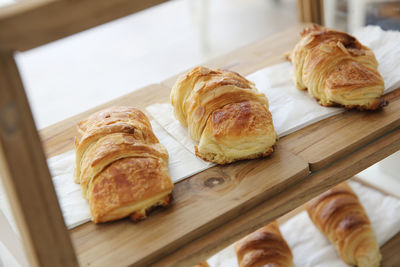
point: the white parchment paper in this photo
(75, 208)
(311, 249)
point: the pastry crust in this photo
(225, 113)
(129, 186)
(264, 247)
(121, 166)
(340, 217)
(202, 264)
(111, 120)
(111, 148)
(237, 131)
(336, 69)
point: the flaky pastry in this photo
(121, 166)
(225, 113)
(338, 214)
(336, 69)
(264, 247)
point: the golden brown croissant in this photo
(264, 247)
(121, 166)
(202, 264)
(339, 215)
(337, 69)
(225, 113)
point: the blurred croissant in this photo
(225, 113)
(339, 215)
(337, 69)
(264, 247)
(202, 264)
(121, 166)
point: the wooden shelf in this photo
(211, 209)
(28, 24)
(323, 143)
(218, 206)
(201, 203)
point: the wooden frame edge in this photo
(24, 171)
(311, 11)
(26, 176)
(29, 24)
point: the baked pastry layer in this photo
(336, 69)
(129, 186)
(202, 264)
(121, 166)
(237, 131)
(112, 120)
(264, 247)
(225, 113)
(341, 218)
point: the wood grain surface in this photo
(26, 177)
(311, 11)
(216, 207)
(390, 252)
(324, 142)
(211, 209)
(28, 24)
(286, 201)
(203, 202)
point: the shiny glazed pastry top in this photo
(121, 166)
(264, 247)
(225, 113)
(339, 215)
(337, 69)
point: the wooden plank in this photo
(321, 12)
(58, 138)
(390, 252)
(26, 177)
(201, 203)
(310, 11)
(28, 24)
(289, 199)
(300, 13)
(324, 142)
(306, 10)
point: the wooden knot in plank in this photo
(213, 181)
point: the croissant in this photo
(225, 113)
(339, 215)
(202, 264)
(337, 69)
(264, 247)
(121, 166)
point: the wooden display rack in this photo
(211, 209)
